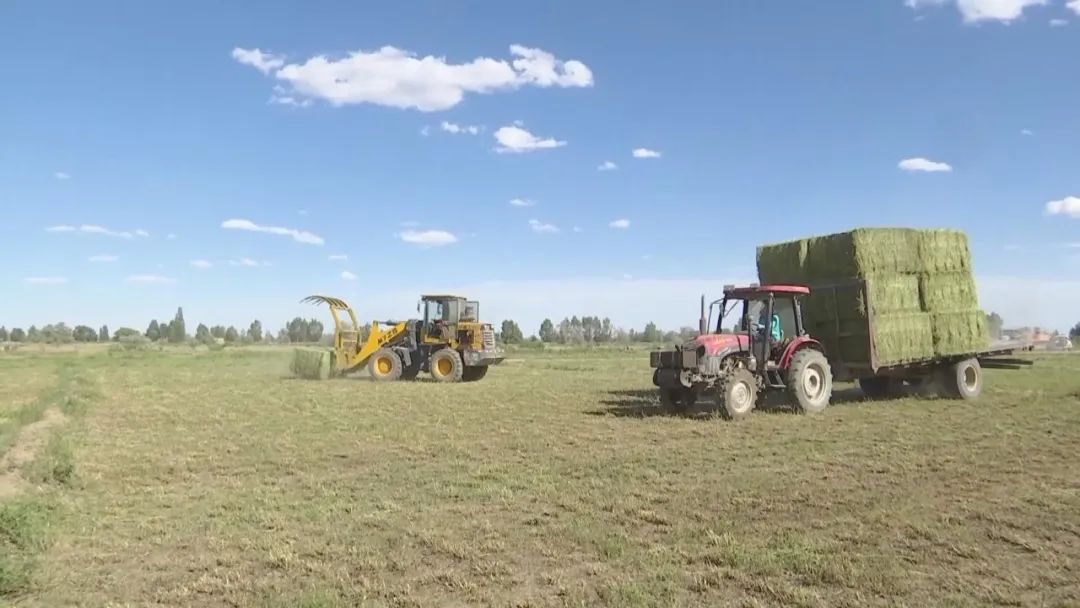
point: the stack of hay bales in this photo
(312, 363)
(917, 284)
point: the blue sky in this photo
(397, 134)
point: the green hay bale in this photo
(312, 363)
(944, 251)
(862, 252)
(782, 263)
(949, 291)
(959, 332)
(898, 338)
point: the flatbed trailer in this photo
(956, 375)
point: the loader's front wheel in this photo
(385, 365)
(447, 366)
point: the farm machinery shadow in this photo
(645, 403)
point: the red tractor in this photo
(757, 344)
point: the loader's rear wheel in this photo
(736, 394)
(810, 381)
(474, 373)
(446, 365)
(385, 365)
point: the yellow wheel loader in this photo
(449, 342)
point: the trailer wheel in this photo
(964, 380)
(677, 400)
(384, 365)
(446, 365)
(810, 381)
(736, 394)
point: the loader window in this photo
(472, 312)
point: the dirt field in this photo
(212, 479)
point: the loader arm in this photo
(377, 339)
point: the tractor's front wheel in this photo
(384, 365)
(810, 381)
(447, 366)
(736, 394)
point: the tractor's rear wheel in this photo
(474, 373)
(446, 365)
(384, 365)
(677, 400)
(736, 394)
(810, 381)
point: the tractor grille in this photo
(487, 338)
(673, 359)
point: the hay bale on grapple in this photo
(312, 363)
(917, 285)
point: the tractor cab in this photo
(763, 320)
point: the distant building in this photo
(1037, 336)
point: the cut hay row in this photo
(917, 285)
(312, 363)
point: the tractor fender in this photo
(796, 345)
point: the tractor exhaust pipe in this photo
(702, 322)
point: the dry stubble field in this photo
(212, 479)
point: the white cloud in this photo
(91, 229)
(621, 223)
(577, 228)
(1070, 206)
(46, 280)
(149, 278)
(397, 78)
(142, 233)
(300, 236)
(1074, 5)
(922, 164)
(983, 10)
(1028, 132)
(282, 97)
(516, 139)
(628, 277)
(171, 237)
(348, 276)
(103, 258)
(428, 238)
(425, 130)
(542, 228)
(61, 175)
(1058, 23)
(338, 257)
(264, 62)
(247, 262)
(522, 202)
(645, 153)
(202, 263)
(607, 165)
(457, 129)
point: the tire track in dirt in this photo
(26, 447)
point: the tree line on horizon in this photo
(572, 330)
